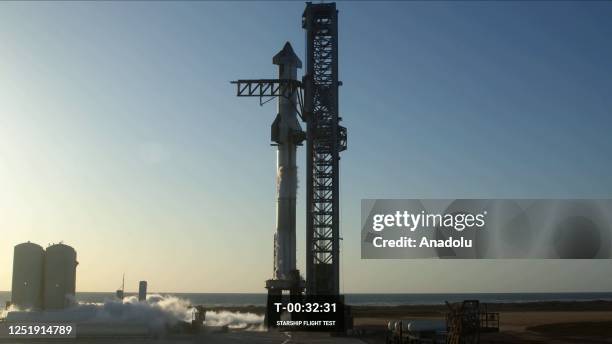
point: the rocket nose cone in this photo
(287, 56)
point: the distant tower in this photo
(28, 267)
(142, 291)
(60, 276)
(120, 293)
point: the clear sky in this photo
(121, 135)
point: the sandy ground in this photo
(513, 321)
(520, 321)
(536, 327)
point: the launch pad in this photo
(314, 100)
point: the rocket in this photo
(287, 133)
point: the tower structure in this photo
(326, 138)
(315, 101)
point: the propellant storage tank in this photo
(60, 276)
(28, 267)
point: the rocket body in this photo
(287, 133)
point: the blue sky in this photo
(121, 135)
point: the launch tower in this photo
(315, 101)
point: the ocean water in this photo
(231, 299)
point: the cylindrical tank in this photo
(60, 276)
(142, 291)
(418, 325)
(28, 266)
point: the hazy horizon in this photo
(121, 135)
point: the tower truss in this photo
(326, 138)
